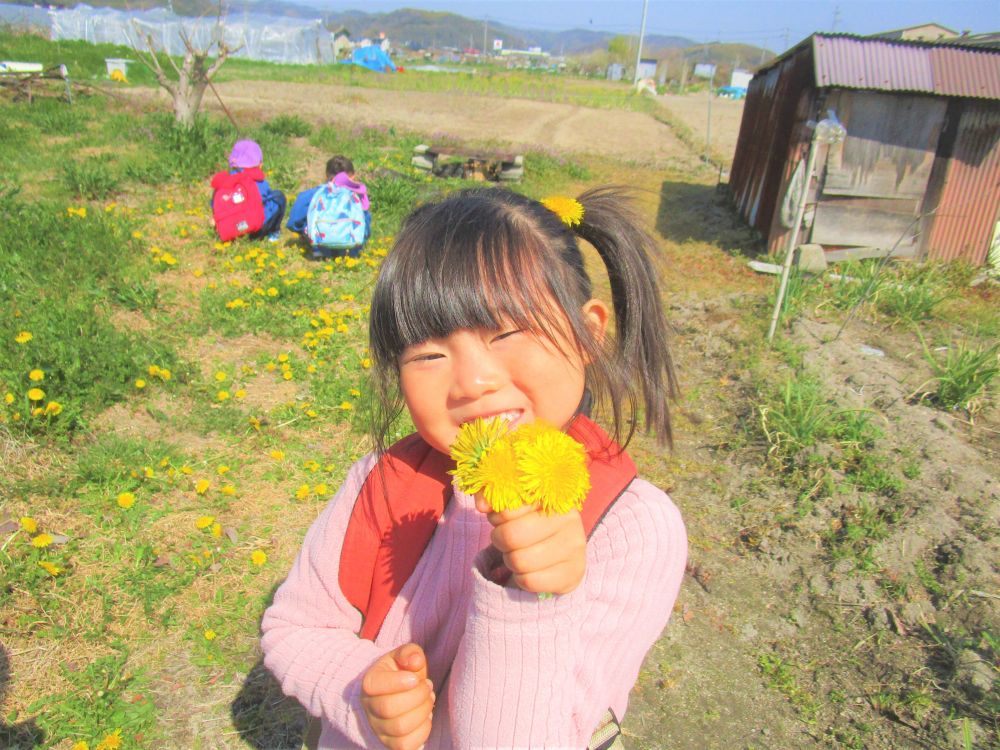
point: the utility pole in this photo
(836, 17)
(486, 26)
(642, 33)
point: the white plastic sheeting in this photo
(262, 37)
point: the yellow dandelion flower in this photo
(53, 408)
(217, 530)
(366, 363)
(320, 489)
(8, 398)
(168, 259)
(149, 472)
(137, 234)
(240, 393)
(42, 541)
(345, 406)
(126, 500)
(222, 469)
(282, 357)
(277, 455)
(112, 742)
(355, 392)
(287, 375)
(81, 744)
(254, 422)
(36, 376)
(29, 524)
(258, 557)
(202, 486)
(140, 383)
(23, 337)
(51, 568)
(272, 291)
(36, 394)
(302, 492)
(554, 471)
(210, 635)
(186, 470)
(198, 273)
(203, 522)
(37, 411)
(498, 477)
(220, 376)
(153, 371)
(228, 489)
(165, 374)
(569, 210)
(222, 395)
(474, 439)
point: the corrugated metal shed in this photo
(888, 65)
(920, 170)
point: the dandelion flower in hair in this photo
(569, 210)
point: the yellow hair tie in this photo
(569, 210)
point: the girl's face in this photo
(512, 373)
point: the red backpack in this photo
(236, 205)
(381, 550)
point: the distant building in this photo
(615, 72)
(919, 172)
(927, 32)
(647, 68)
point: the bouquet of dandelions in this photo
(536, 463)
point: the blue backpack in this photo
(335, 218)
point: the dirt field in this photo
(692, 111)
(520, 123)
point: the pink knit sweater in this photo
(510, 670)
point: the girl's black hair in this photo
(489, 257)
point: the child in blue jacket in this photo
(247, 154)
(340, 171)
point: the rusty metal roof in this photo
(949, 69)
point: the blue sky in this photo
(761, 22)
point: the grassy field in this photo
(177, 410)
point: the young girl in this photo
(412, 616)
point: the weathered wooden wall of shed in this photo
(873, 183)
(964, 194)
(769, 132)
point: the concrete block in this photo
(810, 258)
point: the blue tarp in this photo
(374, 58)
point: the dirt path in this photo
(521, 123)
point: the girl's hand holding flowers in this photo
(531, 483)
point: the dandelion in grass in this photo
(202, 486)
(220, 376)
(36, 394)
(41, 541)
(8, 398)
(53, 409)
(126, 500)
(140, 383)
(36, 376)
(149, 472)
(51, 568)
(346, 406)
(222, 469)
(216, 530)
(210, 635)
(302, 492)
(203, 522)
(112, 741)
(23, 337)
(80, 744)
(320, 489)
(240, 393)
(228, 489)
(29, 524)
(277, 455)
(258, 557)
(222, 396)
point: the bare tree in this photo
(194, 74)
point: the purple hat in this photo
(246, 154)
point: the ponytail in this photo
(639, 368)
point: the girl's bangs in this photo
(493, 281)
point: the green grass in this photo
(963, 375)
